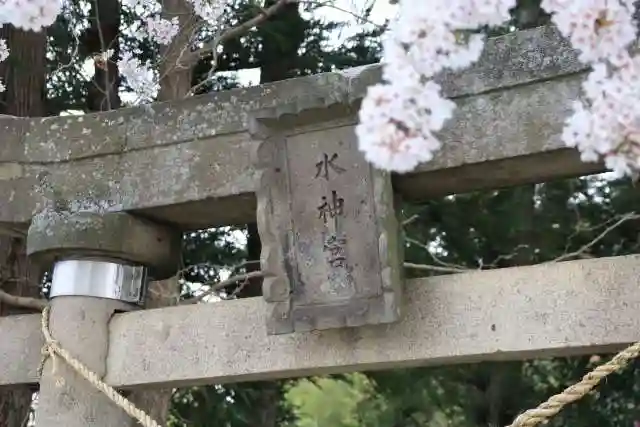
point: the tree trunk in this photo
(175, 83)
(282, 36)
(254, 246)
(103, 96)
(99, 38)
(18, 278)
(23, 74)
(175, 75)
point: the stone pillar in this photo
(102, 263)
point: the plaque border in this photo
(271, 127)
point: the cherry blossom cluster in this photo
(37, 14)
(140, 76)
(209, 10)
(4, 54)
(400, 117)
(605, 124)
(29, 14)
(162, 30)
(153, 26)
(159, 29)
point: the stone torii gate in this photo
(107, 197)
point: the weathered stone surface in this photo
(188, 162)
(20, 348)
(551, 310)
(81, 326)
(501, 139)
(56, 235)
(328, 228)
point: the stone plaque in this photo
(329, 233)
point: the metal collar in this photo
(101, 279)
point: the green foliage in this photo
(206, 252)
(327, 402)
(284, 47)
(65, 90)
(525, 225)
(228, 406)
(488, 229)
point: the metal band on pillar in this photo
(100, 265)
(100, 279)
(111, 255)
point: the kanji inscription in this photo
(331, 208)
(328, 164)
(328, 229)
(335, 247)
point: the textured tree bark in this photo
(175, 83)
(100, 37)
(282, 36)
(23, 74)
(175, 74)
(103, 96)
(277, 62)
(17, 277)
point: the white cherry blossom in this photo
(403, 115)
(160, 30)
(30, 14)
(599, 29)
(400, 118)
(210, 11)
(139, 76)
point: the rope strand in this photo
(541, 414)
(546, 410)
(53, 348)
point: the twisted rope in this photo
(546, 410)
(542, 414)
(53, 349)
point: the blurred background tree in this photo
(516, 226)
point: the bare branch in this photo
(503, 257)
(578, 253)
(188, 60)
(410, 220)
(24, 302)
(211, 47)
(436, 268)
(329, 4)
(434, 257)
(220, 285)
(6, 230)
(205, 265)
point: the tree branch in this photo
(436, 268)
(449, 266)
(578, 253)
(6, 230)
(220, 285)
(24, 302)
(330, 5)
(211, 47)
